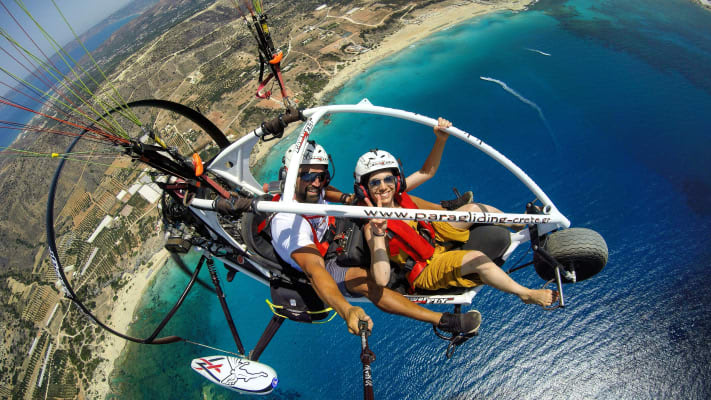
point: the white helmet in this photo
(314, 154)
(375, 160)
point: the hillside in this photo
(198, 53)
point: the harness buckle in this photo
(415, 272)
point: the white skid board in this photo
(238, 374)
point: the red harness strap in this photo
(264, 222)
(321, 246)
(405, 238)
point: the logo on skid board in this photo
(237, 374)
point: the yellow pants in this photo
(445, 270)
(445, 267)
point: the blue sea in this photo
(614, 124)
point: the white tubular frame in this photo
(550, 220)
(232, 164)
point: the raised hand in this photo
(441, 125)
(376, 226)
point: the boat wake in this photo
(538, 51)
(526, 101)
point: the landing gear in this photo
(582, 253)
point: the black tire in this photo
(580, 250)
(94, 182)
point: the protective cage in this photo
(105, 212)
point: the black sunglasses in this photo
(323, 176)
(389, 180)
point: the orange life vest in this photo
(403, 237)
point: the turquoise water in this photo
(619, 140)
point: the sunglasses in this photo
(389, 180)
(323, 176)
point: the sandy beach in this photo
(422, 23)
(261, 149)
(122, 315)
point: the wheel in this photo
(104, 212)
(580, 250)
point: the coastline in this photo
(434, 20)
(129, 296)
(262, 149)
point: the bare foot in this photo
(542, 297)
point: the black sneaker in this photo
(467, 323)
(466, 198)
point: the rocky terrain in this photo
(198, 53)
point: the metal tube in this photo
(223, 303)
(560, 285)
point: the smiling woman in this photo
(421, 249)
(606, 171)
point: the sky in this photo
(81, 15)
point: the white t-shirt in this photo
(291, 232)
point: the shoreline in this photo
(411, 33)
(130, 295)
(133, 291)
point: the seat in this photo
(492, 240)
(260, 242)
(291, 291)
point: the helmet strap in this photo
(333, 167)
(401, 181)
(360, 192)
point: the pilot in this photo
(300, 241)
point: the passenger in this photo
(298, 240)
(420, 247)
